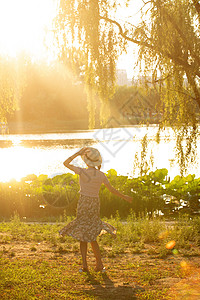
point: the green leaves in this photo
(12, 78)
(112, 173)
(87, 40)
(160, 174)
(152, 195)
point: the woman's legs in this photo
(97, 254)
(83, 249)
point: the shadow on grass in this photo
(110, 290)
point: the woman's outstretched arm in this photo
(117, 193)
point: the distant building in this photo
(122, 78)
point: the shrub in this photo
(43, 197)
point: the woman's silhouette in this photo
(88, 225)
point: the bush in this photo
(42, 197)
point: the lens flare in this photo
(175, 251)
(184, 264)
(170, 245)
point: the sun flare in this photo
(24, 26)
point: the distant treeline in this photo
(52, 98)
(41, 197)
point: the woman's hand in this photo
(69, 159)
(82, 151)
(128, 198)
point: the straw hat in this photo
(92, 157)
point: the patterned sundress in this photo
(87, 225)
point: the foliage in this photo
(93, 27)
(153, 195)
(168, 41)
(50, 99)
(89, 45)
(135, 104)
(12, 78)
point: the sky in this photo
(25, 24)
(132, 15)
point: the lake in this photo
(23, 154)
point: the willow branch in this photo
(176, 60)
(197, 6)
(123, 34)
(180, 32)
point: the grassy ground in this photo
(36, 263)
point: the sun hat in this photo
(92, 157)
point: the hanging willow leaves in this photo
(12, 83)
(91, 36)
(90, 47)
(171, 48)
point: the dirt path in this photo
(129, 275)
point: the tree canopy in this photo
(12, 83)
(91, 45)
(91, 35)
(50, 101)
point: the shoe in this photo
(101, 270)
(61, 233)
(82, 270)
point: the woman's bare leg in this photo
(97, 254)
(83, 249)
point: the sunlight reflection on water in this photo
(21, 155)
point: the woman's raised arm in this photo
(69, 159)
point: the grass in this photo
(36, 263)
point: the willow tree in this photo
(12, 83)
(170, 46)
(91, 35)
(90, 46)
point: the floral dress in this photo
(87, 225)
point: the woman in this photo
(88, 225)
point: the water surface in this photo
(25, 154)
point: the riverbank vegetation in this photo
(149, 259)
(153, 195)
(52, 102)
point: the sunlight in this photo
(24, 26)
(16, 163)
